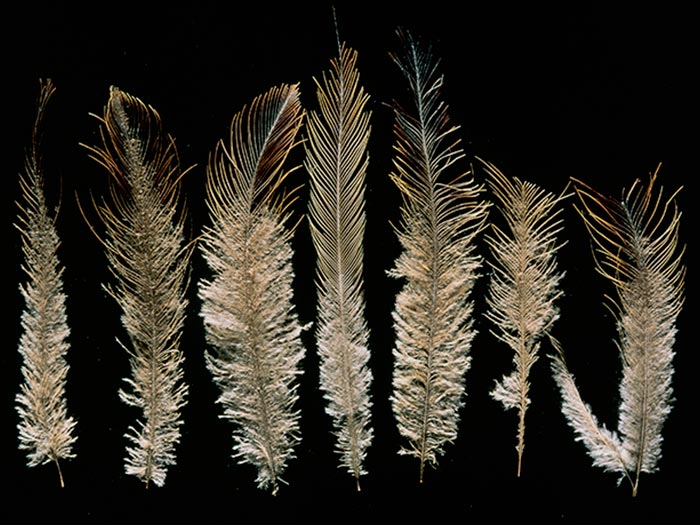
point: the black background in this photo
(543, 94)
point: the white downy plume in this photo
(247, 305)
(637, 251)
(441, 217)
(46, 431)
(149, 260)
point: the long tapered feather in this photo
(149, 259)
(440, 219)
(247, 305)
(336, 160)
(46, 431)
(636, 246)
(524, 285)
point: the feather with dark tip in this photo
(145, 245)
(252, 329)
(636, 241)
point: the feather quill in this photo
(46, 431)
(440, 219)
(637, 251)
(524, 286)
(336, 160)
(247, 305)
(149, 260)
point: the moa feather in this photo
(247, 305)
(524, 285)
(441, 216)
(148, 256)
(637, 250)
(336, 160)
(46, 431)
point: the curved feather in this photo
(149, 260)
(247, 308)
(636, 246)
(440, 219)
(524, 286)
(336, 160)
(46, 431)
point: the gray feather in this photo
(247, 305)
(438, 266)
(149, 259)
(46, 431)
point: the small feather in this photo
(149, 259)
(637, 251)
(46, 431)
(524, 285)
(251, 326)
(438, 265)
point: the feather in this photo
(440, 219)
(637, 251)
(524, 286)
(247, 305)
(336, 160)
(149, 260)
(46, 431)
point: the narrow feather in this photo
(247, 305)
(524, 286)
(145, 245)
(46, 431)
(636, 241)
(440, 219)
(336, 160)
